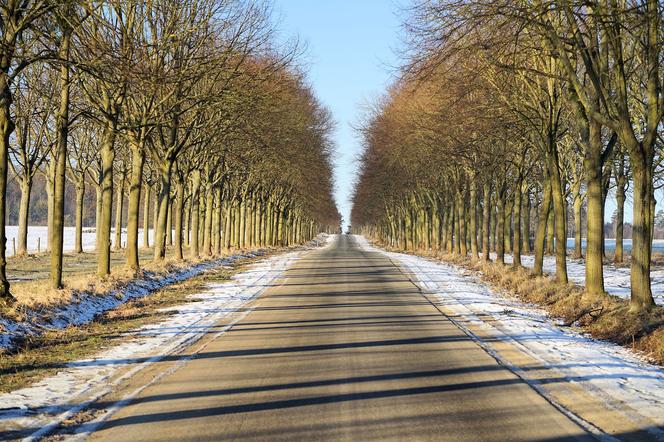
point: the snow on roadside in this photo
(43, 404)
(85, 305)
(616, 279)
(610, 372)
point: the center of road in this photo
(344, 348)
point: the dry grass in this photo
(35, 293)
(605, 317)
(40, 356)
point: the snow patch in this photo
(85, 306)
(616, 279)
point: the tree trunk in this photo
(186, 224)
(195, 212)
(473, 219)
(24, 215)
(641, 292)
(60, 151)
(500, 227)
(486, 221)
(560, 224)
(218, 218)
(146, 216)
(578, 228)
(463, 249)
(620, 219)
(169, 222)
(135, 187)
(51, 170)
(119, 208)
(550, 233)
(207, 233)
(98, 203)
(179, 209)
(592, 164)
(516, 243)
(6, 129)
(525, 226)
(164, 203)
(104, 232)
(543, 221)
(80, 196)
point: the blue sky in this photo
(350, 58)
(351, 55)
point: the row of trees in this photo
(504, 106)
(190, 100)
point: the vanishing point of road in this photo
(345, 347)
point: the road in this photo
(345, 348)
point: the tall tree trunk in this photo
(463, 248)
(207, 232)
(620, 219)
(195, 213)
(104, 232)
(516, 244)
(179, 209)
(169, 222)
(473, 219)
(186, 225)
(500, 226)
(592, 164)
(218, 218)
(6, 129)
(80, 196)
(51, 170)
(486, 221)
(641, 292)
(155, 212)
(166, 167)
(135, 187)
(62, 129)
(560, 224)
(550, 233)
(525, 226)
(119, 209)
(98, 203)
(543, 221)
(578, 228)
(146, 216)
(24, 215)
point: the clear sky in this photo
(351, 54)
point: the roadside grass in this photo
(44, 355)
(36, 293)
(37, 266)
(604, 317)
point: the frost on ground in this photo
(612, 373)
(42, 406)
(85, 306)
(616, 279)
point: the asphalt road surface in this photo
(346, 348)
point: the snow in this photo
(86, 305)
(616, 279)
(40, 234)
(611, 373)
(43, 406)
